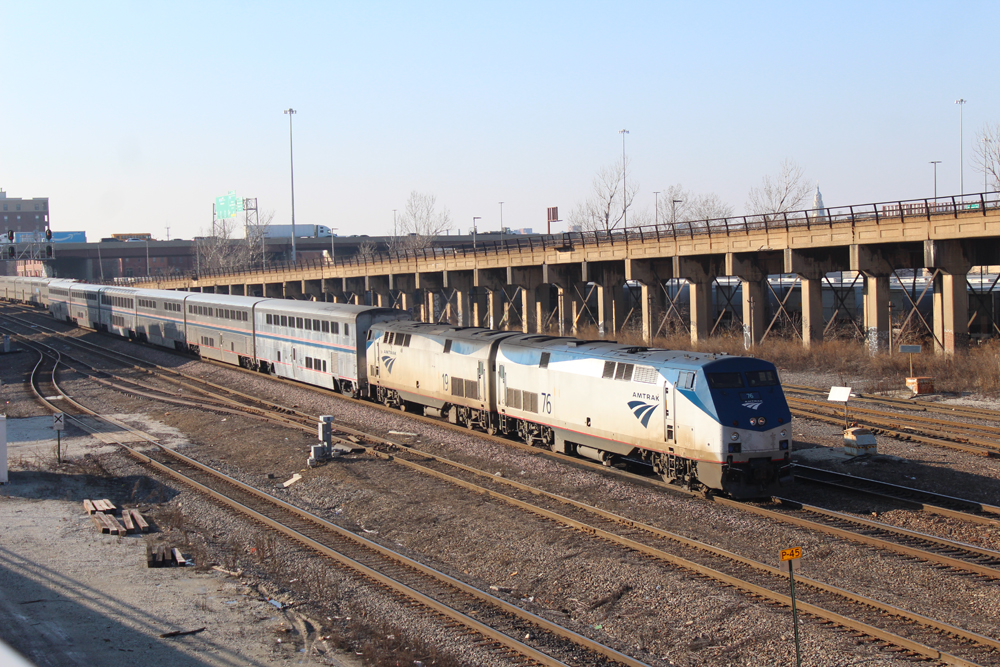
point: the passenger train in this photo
(707, 421)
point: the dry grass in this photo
(977, 371)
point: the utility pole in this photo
(656, 209)
(291, 156)
(935, 163)
(961, 141)
(474, 218)
(501, 224)
(624, 186)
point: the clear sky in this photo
(134, 116)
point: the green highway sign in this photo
(228, 206)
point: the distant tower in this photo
(818, 209)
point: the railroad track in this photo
(452, 602)
(911, 405)
(851, 607)
(928, 501)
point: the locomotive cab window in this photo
(762, 378)
(447, 346)
(724, 380)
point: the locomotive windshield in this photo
(762, 378)
(724, 380)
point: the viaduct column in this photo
(877, 269)
(951, 296)
(811, 268)
(650, 279)
(699, 271)
(752, 275)
(561, 278)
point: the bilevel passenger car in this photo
(712, 421)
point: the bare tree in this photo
(788, 191)
(680, 205)
(225, 250)
(419, 223)
(987, 153)
(366, 251)
(609, 199)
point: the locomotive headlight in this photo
(735, 436)
(761, 421)
(753, 421)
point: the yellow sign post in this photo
(789, 555)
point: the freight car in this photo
(711, 422)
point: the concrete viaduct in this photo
(554, 283)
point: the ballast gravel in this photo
(666, 615)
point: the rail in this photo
(878, 212)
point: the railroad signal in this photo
(48, 251)
(48, 233)
(788, 556)
(10, 235)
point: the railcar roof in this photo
(215, 299)
(342, 309)
(446, 330)
(606, 349)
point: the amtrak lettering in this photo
(648, 397)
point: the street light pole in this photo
(935, 163)
(501, 224)
(673, 210)
(961, 141)
(474, 218)
(624, 186)
(656, 209)
(147, 257)
(291, 156)
(333, 248)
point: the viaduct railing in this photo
(808, 218)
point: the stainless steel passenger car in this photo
(317, 342)
(117, 314)
(85, 305)
(59, 299)
(220, 326)
(160, 318)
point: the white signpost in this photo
(840, 395)
(58, 423)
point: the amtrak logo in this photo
(753, 405)
(388, 362)
(642, 411)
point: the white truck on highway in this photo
(301, 231)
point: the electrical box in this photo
(859, 441)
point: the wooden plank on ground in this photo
(127, 520)
(178, 556)
(139, 521)
(88, 506)
(116, 528)
(150, 556)
(109, 506)
(96, 518)
(103, 518)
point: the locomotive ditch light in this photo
(735, 436)
(782, 434)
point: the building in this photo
(23, 215)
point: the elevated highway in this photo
(622, 279)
